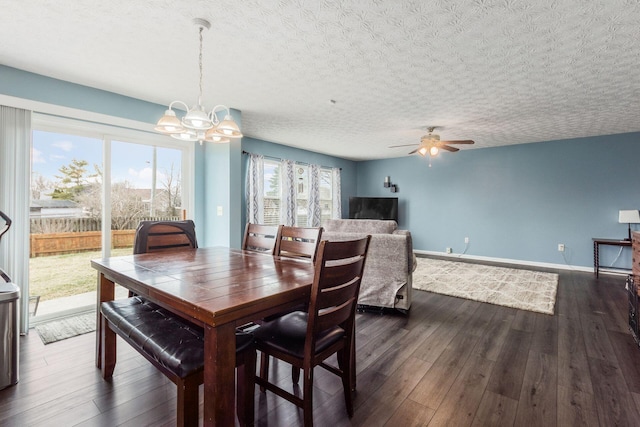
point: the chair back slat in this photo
(335, 275)
(298, 242)
(337, 295)
(154, 236)
(260, 238)
(335, 316)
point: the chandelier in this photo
(198, 124)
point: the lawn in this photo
(64, 275)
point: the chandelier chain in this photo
(200, 64)
(197, 124)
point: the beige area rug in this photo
(57, 330)
(510, 287)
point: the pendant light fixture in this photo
(197, 124)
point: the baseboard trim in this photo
(515, 262)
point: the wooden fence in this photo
(66, 243)
(79, 225)
(57, 236)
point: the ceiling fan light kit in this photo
(431, 144)
(198, 124)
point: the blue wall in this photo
(22, 84)
(516, 202)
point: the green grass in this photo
(59, 276)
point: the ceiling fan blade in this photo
(460, 141)
(414, 151)
(403, 145)
(446, 147)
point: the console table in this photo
(607, 242)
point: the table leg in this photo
(596, 259)
(219, 375)
(106, 292)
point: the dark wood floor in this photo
(450, 362)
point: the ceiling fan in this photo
(431, 144)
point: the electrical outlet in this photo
(449, 250)
(560, 247)
(466, 240)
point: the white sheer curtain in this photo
(288, 202)
(315, 209)
(255, 189)
(336, 202)
(15, 193)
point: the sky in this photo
(131, 162)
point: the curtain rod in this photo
(278, 158)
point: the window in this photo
(302, 194)
(273, 193)
(326, 194)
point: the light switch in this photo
(219, 210)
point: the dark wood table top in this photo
(211, 285)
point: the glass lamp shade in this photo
(185, 135)
(229, 128)
(169, 123)
(434, 151)
(423, 151)
(196, 119)
(213, 136)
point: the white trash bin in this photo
(9, 295)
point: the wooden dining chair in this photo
(307, 339)
(298, 242)
(153, 236)
(260, 238)
(294, 242)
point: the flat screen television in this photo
(373, 208)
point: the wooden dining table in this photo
(219, 288)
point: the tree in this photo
(170, 197)
(127, 206)
(72, 181)
(39, 184)
(274, 183)
(91, 200)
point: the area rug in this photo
(68, 327)
(510, 287)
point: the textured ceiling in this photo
(498, 72)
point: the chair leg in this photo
(307, 397)
(245, 388)
(344, 361)
(187, 408)
(295, 374)
(264, 369)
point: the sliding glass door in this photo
(90, 187)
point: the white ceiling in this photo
(496, 71)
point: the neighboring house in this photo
(53, 208)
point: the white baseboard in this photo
(453, 257)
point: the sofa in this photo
(386, 281)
